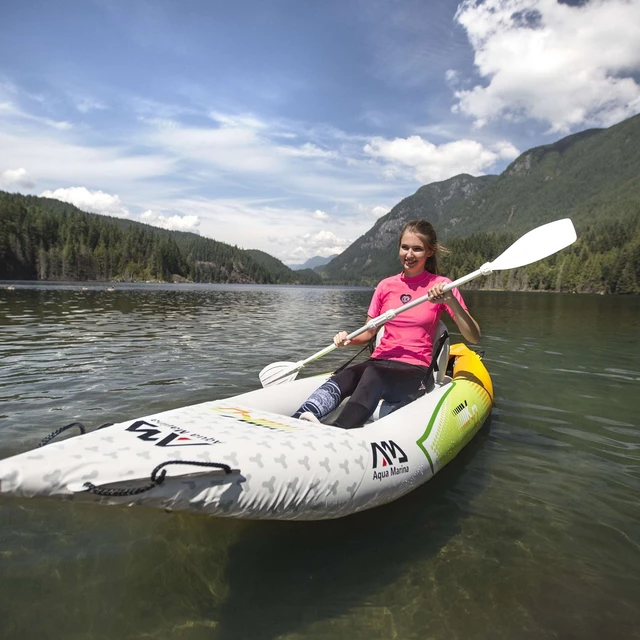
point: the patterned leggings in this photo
(367, 383)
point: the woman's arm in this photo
(340, 339)
(469, 328)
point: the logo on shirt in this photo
(404, 298)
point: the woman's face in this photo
(413, 254)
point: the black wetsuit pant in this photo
(367, 383)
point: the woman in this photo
(399, 364)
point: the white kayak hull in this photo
(276, 467)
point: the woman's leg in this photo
(322, 401)
(328, 396)
(389, 380)
(406, 381)
(364, 399)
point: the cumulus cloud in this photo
(322, 243)
(93, 201)
(378, 212)
(430, 162)
(172, 223)
(561, 64)
(16, 179)
(366, 212)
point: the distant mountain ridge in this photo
(284, 274)
(312, 263)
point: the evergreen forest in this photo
(45, 239)
(605, 259)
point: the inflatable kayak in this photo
(245, 456)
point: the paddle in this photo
(535, 245)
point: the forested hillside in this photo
(591, 175)
(604, 259)
(45, 239)
(281, 272)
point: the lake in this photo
(533, 531)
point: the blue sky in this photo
(292, 125)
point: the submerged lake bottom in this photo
(533, 531)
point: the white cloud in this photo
(8, 109)
(16, 179)
(240, 144)
(56, 161)
(430, 162)
(366, 212)
(378, 212)
(307, 150)
(322, 243)
(320, 215)
(173, 223)
(240, 121)
(92, 201)
(290, 234)
(84, 105)
(229, 149)
(568, 66)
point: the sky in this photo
(291, 126)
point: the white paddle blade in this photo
(539, 243)
(278, 373)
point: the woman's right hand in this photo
(340, 339)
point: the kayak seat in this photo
(442, 345)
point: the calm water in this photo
(532, 532)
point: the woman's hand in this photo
(469, 328)
(438, 296)
(340, 339)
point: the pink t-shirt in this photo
(409, 336)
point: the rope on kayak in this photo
(155, 479)
(57, 432)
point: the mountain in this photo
(592, 177)
(284, 274)
(375, 254)
(312, 263)
(589, 175)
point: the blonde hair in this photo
(427, 234)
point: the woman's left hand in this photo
(467, 325)
(437, 295)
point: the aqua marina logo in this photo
(390, 457)
(164, 437)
